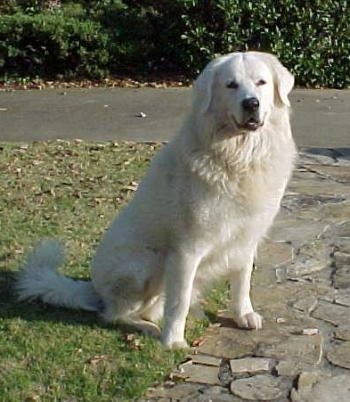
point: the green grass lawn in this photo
(70, 191)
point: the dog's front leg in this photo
(242, 309)
(181, 268)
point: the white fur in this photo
(39, 277)
(207, 200)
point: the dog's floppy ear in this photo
(284, 80)
(203, 85)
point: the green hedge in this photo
(95, 38)
(47, 45)
(311, 37)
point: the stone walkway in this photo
(302, 288)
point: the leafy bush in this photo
(51, 44)
(312, 38)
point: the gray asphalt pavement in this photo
(320, 118)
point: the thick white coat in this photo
(207, 200)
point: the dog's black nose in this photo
(250, 104)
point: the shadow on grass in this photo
(10, 307)
(37, 311)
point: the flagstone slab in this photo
(340, 355)
(302, 348)
(333, 313)
(260, 387)
(251, 365)
(319, 387)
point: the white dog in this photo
(207, 200)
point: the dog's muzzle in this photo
(251, 120)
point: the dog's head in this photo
(241, 89)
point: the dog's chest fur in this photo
(238, 193)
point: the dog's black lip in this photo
(250, 124)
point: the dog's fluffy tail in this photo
(39, 279)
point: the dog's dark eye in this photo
(232, 85)
(261, 82)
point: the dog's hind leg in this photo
(125, 303)
(129, 314)
(146, 327)
(154, 310)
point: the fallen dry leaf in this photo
(133, 341)
(94, 360)
(132, 186)
(198, 342)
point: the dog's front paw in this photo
(175, 344)
(179, 345)
(251, 320)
